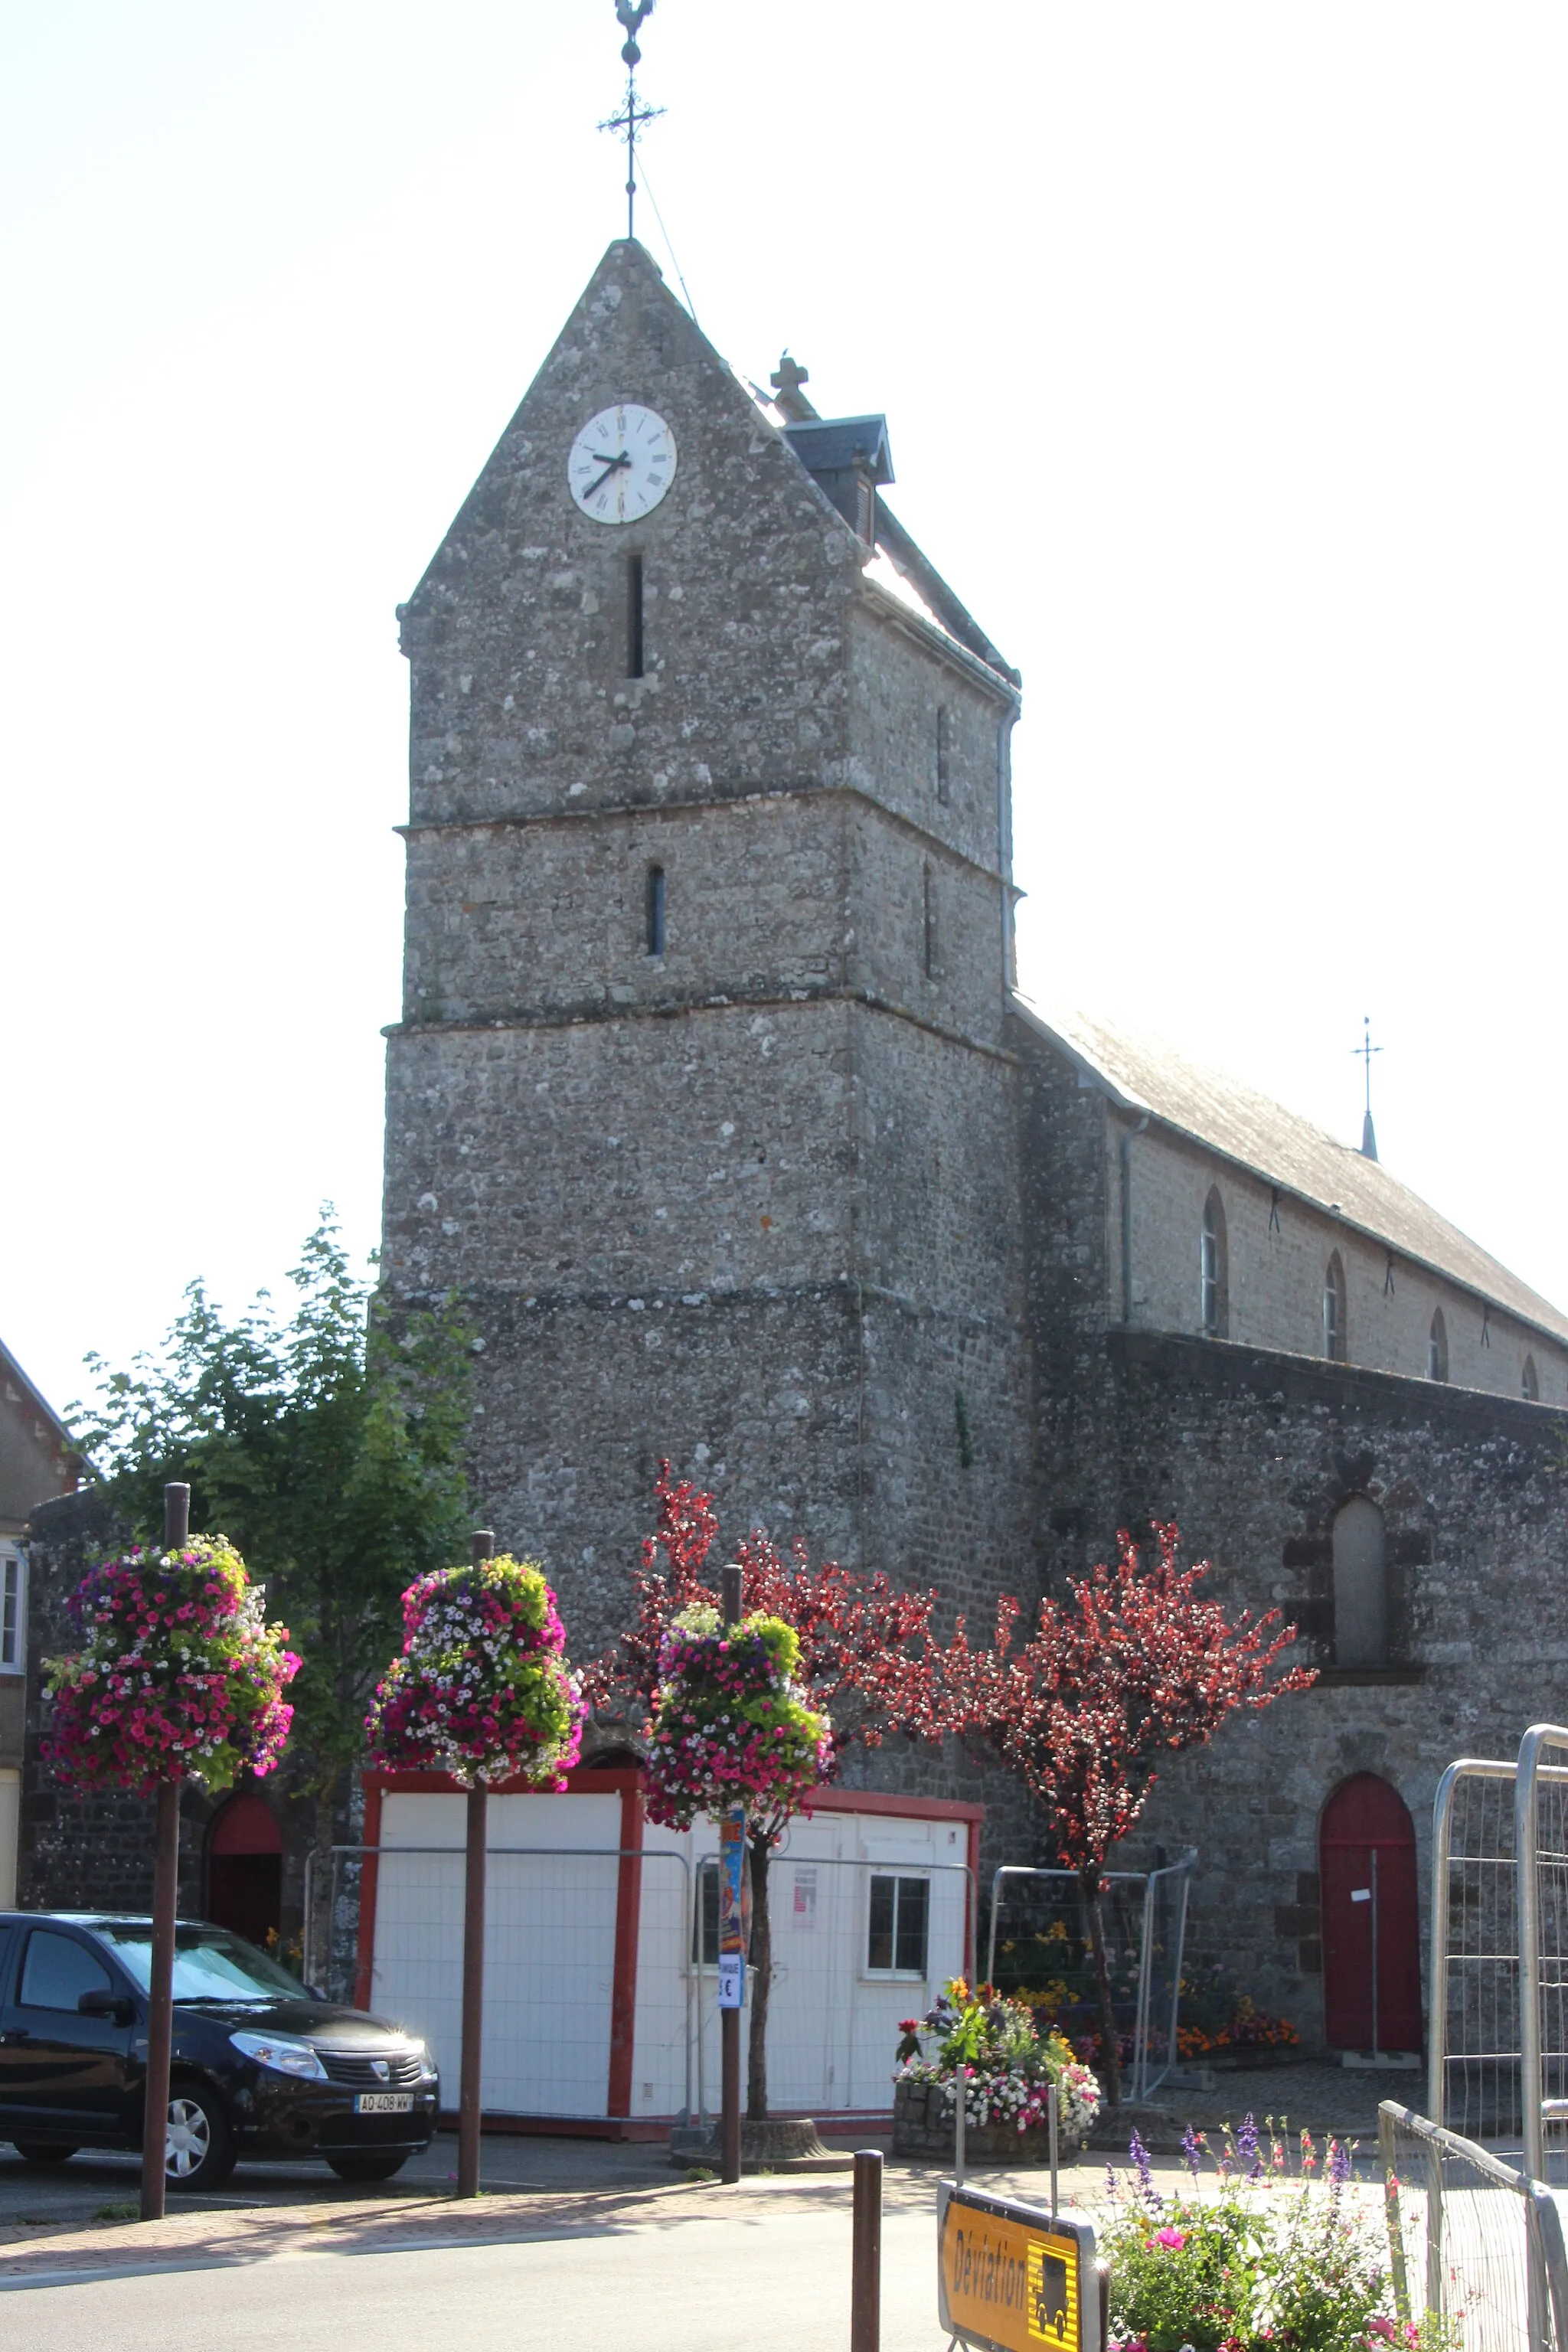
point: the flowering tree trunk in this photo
(1089, 1882)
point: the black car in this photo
(261, 2067)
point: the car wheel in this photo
(367, 2167)
(198, 2151)
(42, 2151)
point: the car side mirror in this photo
(118, 2007)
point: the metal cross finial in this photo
(1363, 1054)
(632, 116)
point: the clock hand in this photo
(611, 464)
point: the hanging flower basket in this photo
(178, 1674)
(482, 1689)
(731, 1725)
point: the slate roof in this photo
(1141, 1073)
(829, 445)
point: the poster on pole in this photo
(1012, 2277)
(732, 1910)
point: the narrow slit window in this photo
(944, 751)
(1334, 1335)
(929, 916)
(656, 906)
(1212, 1284)
(1530, 1381)
(899, 1926)
(1437, 1348)
(633, 616)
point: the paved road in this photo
(691, 2285)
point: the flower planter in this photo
(924, 2124)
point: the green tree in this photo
(328, 1444)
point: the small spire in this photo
(1363, 1054)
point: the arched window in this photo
(1530, 1381)
(1361, 1586)
(1334, 1311)
(1214, 1300)
(1437, 1348)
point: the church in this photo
(715, 1095)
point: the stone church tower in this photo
(703, 1094)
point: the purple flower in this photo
(1139, 2155)
(1192, 2149)
(1339, 2163)
(1246, 2148)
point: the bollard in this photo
(865, 2278)
(1103, 2280)
(1051, 2111)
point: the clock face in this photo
(622, 463)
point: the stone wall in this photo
(1253, 1454)
(1278, 1249)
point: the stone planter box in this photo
(924, 2125)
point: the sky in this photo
(1225, 362)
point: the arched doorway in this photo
(245, 1868)
(1366, 1854)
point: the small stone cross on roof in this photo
(786, 380)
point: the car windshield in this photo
(209, 1964)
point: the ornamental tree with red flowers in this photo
(863, 1666)
(1134, 1665)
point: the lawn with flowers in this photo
(482, 1689)
(989, 2045)
(1261, 2254)
(178, 1674)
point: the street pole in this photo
(730, 2016)
(165, 1907)
(866, 2270)
(481, 1545)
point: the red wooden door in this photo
(1365, 1819)
(245, 1868)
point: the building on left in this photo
(36, 1462)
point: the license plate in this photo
(384, 2103)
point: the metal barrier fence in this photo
(1541, 1844)
(575, 1973)
(570, 2018)
(1499, 1921)
(1144, 1915)
(1472, 2238)
(1473, 2052)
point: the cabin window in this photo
(899, 1919)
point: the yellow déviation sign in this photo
(1014, 2278)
